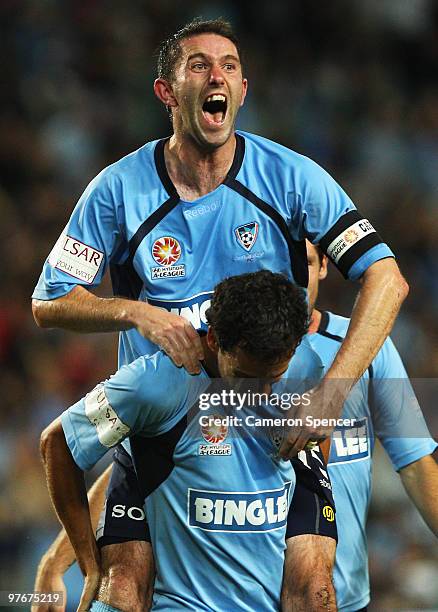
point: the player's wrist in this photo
(132, 314)
(51, 565)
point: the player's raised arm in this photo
(329, 219)
(65, 481)
(420, 479)
(382, 293)
(60, 555)
(380, 297)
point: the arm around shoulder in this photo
(82, 311)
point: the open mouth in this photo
(214, 108)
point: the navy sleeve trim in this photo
(297, 249)
(350, 238)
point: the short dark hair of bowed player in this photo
(263, 313)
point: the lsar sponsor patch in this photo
(76, 258)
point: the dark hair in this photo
(169, 51)
(262, 313)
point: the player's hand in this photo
(49, 580)
(326, 402)
(91, 583)
(174, 334)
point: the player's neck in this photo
(210, 359)
(196, 172)
(315, 320)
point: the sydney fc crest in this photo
(247, 235)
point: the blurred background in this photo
(351, 84)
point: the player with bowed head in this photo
(217, 520)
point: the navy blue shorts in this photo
(122, 518)
(312, 509)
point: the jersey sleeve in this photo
(133, 401)
(329, 218)
(397, 417)
(85, 247)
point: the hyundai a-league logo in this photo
(166, 251)
(215, 431)
(247, 235)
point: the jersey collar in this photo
(160, 164)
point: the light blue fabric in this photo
(384, 405)
(221, 234)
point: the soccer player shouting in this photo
(178, 215)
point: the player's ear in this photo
(323, 269)
(164, 92)
(212, 342)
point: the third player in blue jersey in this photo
(381, 405)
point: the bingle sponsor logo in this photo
(238, 512)
(193, 309)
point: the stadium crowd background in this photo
(351, 84)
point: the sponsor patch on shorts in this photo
(76, 258)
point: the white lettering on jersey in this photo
(238, 512)
(350, 443)
(75, 258)
(342, 243)
(110, 429)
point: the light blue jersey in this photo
(217, 496)
(383, 404)
(172, 253)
